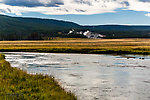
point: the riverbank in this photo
(16, 84)
(91, 76)
(87, 46)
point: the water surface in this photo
(91, 77)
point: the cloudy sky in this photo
(85, 12)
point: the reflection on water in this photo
(92, 77)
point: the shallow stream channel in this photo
(91, 76)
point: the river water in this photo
(89, 76)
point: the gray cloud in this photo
(2, 11)
(144, 0)
(126, 3)
(79, 10)
(33, 3)
(7, 10)
(83, 2)
(60, 7)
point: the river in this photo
(90, 76)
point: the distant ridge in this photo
(22, 28)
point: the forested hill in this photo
(18, 28)
(23, 27)
(121, 31)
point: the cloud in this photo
(145, 0)
(83, 2)
(139, 5)
(59, 7)
(33, 3)
(148, 14)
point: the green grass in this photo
(88, 46)
(18, 85)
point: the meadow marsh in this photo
(97, 46)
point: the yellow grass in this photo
(137, 46)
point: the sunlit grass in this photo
(125, 46)
(18, 85)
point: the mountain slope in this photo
(121, 31)
(14, 28)
(18, 24)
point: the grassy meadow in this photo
(97, 46)
(18, 85)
